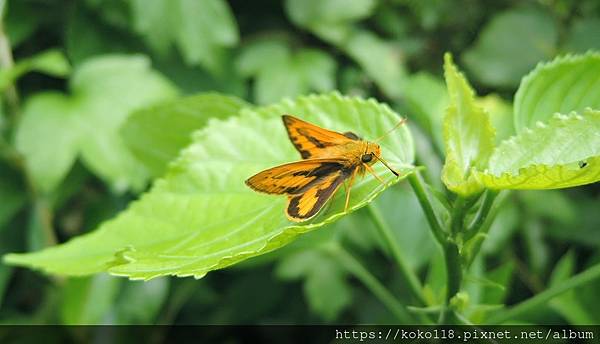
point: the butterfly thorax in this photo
(352, 153)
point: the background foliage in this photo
(91, 88)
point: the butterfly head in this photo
(371, 154)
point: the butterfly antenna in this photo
(402, 121)
(388, 166)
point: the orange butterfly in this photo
(330, 159)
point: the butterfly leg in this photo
(372, 171)
(348, 189)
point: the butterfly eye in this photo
(366, 157)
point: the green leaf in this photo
(51, 62)
(48, 117)
(281, 73)
(435, 282)
(501, 115)
(525, 33)
(468, 134)
(505, 224)
(502, 275)
(12, 194)
(428, 99)
(408, 224)
(87, 36)
(17, 29)
(87, 301)
(332, 21)
(327, 12)
(57, 127)
(156, 134)
(114, 12)
(562, 153)
(583, 35)
(325, 285)
(157, 21)
(568, 304)
(381, 60)
(141, 302)
(201, 216)
(201, 29)
(569, 83)
(327, 289)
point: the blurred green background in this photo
(263, 51)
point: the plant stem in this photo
(488, 200)
(6, 62)
(361, 273)
(458, 215)
(453, 280)
(415, 182)
(385, 230)
(451, 254)
(486, 223)
(41, 206)
(514, 312)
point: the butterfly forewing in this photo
(294, 177)
(310, 140)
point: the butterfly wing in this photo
(295, 177)
(306, 205)
(310, 139)
(308, 184)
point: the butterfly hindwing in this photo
(309, 139)
(307, 204)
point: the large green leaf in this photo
(562, 153)
(48, 117)
(510, 45)
(156, 134)
(569, 83)
(201, 29)
(333, 21)
(468, 134)
(201, 216)
(51, 62)
(327, 12)
(325, 285)
(583, 35)
(382, 60)
(280, 72)
(57, 127)
(428, 99)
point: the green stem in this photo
(458, 215)
(6, 62)
(545, 296)
(415, 182)
(488, 200)
(453, 280)
(11, 155)
(486, 224)
(385, 230)
(451, 253)
(361, 273)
